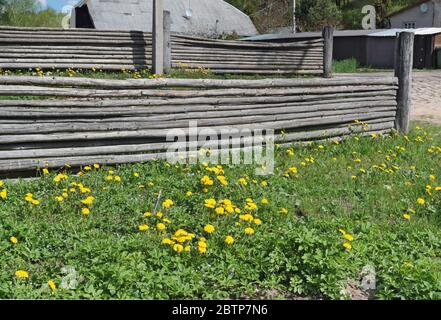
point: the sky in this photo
(57, 4)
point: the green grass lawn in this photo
(328, 211)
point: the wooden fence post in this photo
(167, 42)
(396, 53)
(403, 70)
(158, 37)
(328, 38)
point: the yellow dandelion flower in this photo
(219, 210)
(59, 199)
(143, 227)
(117, 178)
(210, 203)
(206, 181)
(242, 181)
(229, 240)
(348, 237)
(136, 174)
(222, 180)
(22, 274)
(293, 170)
(249, 231)
(45, 171)
(264, 201)
(167, 203)
(3, 194)
(14, 240)
(246, 217)
(406, 216)
(209, 228)
(147, 214)
(159, 214)
(432, 177)
(178, 247)
(283, 211)
(421, 201)
(189, 194)
(160, 226)
(52, 285)
(167, 241)
(88, 201)
(347, 245)
(85, 211)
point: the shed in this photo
(208, 18)
(371, 48)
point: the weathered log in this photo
(72, 136)
(194, 83)
(163, 146)
(20, 165)
(217, 95)
(158, 120)
(63, 114)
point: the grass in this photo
(352, 66)
(362, 187)
(180, 72)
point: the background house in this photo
(209, 18)
(424, 14)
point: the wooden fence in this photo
(22, 48)
(79, 121)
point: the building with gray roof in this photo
(208, 18)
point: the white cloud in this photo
(42, 4)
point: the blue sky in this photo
(59, 4)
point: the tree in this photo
(26, 13)
(313, 15)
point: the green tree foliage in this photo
(312, 15)
(26, 13)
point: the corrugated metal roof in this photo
(418, 32)
(209, 18)
(343, 33)
(337, 33)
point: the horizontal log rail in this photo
(23, 48)
(79, 121)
